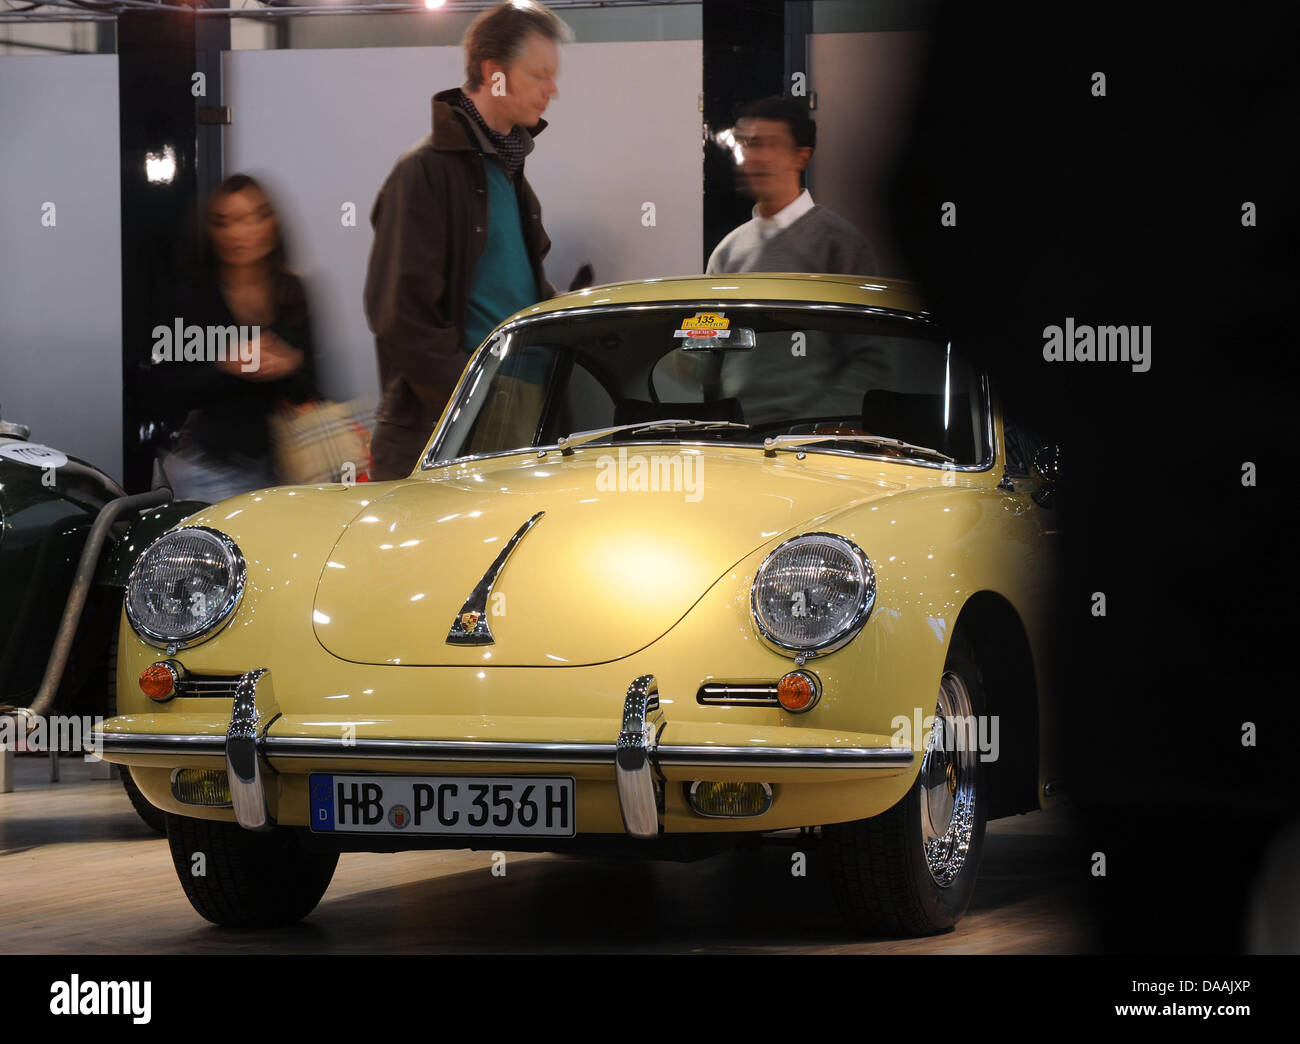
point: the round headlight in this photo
(813, 593)
(185, 585)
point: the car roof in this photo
(819, 288)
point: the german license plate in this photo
(504, 806)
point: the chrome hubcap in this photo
(948, 783)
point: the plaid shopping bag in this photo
(321, 441)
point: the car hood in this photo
(608, 568)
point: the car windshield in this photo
(743, 374)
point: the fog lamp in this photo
(729, 800)
(201, 787)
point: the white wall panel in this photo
(323, 127)
(61, 286)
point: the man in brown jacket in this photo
(459, 243)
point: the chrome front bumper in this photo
(636, 754)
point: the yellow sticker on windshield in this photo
(704, 324)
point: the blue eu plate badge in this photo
(322, 802)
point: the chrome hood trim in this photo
(470, 627)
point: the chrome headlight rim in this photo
(866, 601)
(239, 572)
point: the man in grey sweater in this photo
(775, 138)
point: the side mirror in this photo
(1046, 467)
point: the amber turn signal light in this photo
(798, 691)
(158, 681)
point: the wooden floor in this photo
(80, 874)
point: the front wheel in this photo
(241, 879)
(911, 870)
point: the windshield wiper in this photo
(772, 444)
(567, 443)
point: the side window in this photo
(513, 403)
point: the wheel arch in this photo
(1002, 650)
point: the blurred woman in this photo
(225, 447)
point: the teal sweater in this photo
(503, 279)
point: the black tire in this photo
(154, 818)
(877, 867)
(250, 880)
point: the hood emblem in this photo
(470, 627)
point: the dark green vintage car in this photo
(69, 535)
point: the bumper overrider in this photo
(636, 753)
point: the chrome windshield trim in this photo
(470, 625)
(534, 451)
(922, 318)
